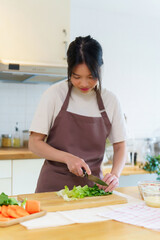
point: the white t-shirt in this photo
(79, 103)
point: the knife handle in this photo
(84, 172)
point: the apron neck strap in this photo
(99, 101)
(66, 102)
(102, 108)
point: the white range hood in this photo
(15, 72)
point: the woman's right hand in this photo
(41, 148)
(75, 165)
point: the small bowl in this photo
(150, 192)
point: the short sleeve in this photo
(116, 117)
(118, 130)
(44, 115)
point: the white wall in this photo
(18, 103)
(128, 31)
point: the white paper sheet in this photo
(85, 215)
(55, 219)
(51, 219)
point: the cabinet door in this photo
(5, 186)
(25, 175)
(5, 176)
(34, 31)
(5, 169)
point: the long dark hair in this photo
(85, 50)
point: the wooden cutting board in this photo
(51, 202)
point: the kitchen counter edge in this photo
(17, 153)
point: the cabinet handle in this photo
(65, 44)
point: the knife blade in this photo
(94, 178)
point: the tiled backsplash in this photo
(18, 103)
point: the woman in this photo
(76, 117)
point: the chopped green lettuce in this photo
(5, 200)
(81, 192)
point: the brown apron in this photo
(82, 136)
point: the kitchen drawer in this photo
(5, 186)
(5, 169)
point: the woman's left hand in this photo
(112, 182)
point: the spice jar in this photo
(25, 138)
(6, 140)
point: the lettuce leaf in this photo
(81, 192)
(5, 200)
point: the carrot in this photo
(4, 210)
(0, 209)
(12, 212)
(3, 219)
(19, 210)
(14, 206)
(22, 212)
(32, 206)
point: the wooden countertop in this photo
(127, 170)
(16, 153)
(111, 230)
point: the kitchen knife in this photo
(93, 178)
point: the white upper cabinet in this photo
(34, 31)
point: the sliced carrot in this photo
(32, 206)
(12, 212)
(4, 210)
(0, 209)
(1, 215)
(13, 206)
(20, 211)
(2, 218)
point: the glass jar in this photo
(148, 147)
(16, 142)
(25, 138)
(6, 140)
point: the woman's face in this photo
(82, 78)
